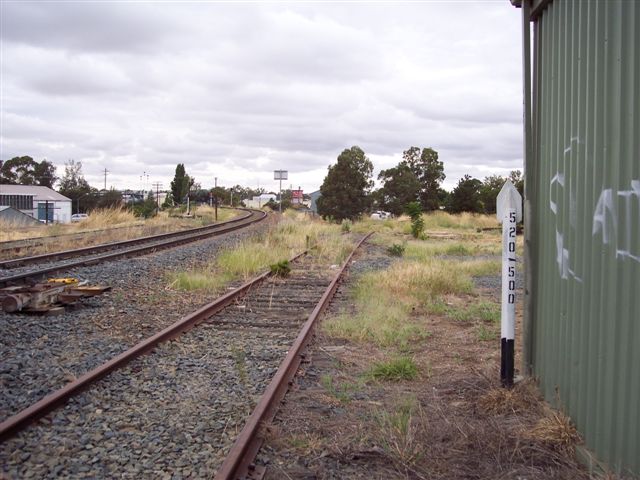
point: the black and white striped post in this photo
(509, 212)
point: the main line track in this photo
(57, 262)
(246, 332)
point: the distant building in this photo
(133, 196)
(260, 200)
(38, 202)
(314, 200)
(16, 217)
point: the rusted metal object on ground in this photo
(239, 462)
(50, 297)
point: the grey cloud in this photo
(87, 26)
(243, 89)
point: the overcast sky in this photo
(237, 90)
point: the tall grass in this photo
(386, 300)
(292, 235)
(468, 221)
(108, 217)
(12, 230)
(421, 250)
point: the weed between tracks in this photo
(292, 235)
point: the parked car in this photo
(78, 217)
(380, 215)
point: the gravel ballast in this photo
(175, 412)
(42, 353)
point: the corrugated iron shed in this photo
(11, 215)
(583, 235)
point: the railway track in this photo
(10, 249)
(21, 270)
(207, 381)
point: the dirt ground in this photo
(454, 421)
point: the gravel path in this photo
(42, 353)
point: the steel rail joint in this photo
(239, 461)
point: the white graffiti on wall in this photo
(616, 217)
(616, 224)
(557, 183)
(563, 256)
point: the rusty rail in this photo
(239, 461)
(217, 229)
(18, 262)
(19, 421)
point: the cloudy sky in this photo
(235, 90)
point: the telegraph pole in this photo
(157, 186)
(215, 198)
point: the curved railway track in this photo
(10, 249)
(20, 271)
(240, 340)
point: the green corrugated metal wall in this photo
(584, 188)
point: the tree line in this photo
(348, 189)
(84, 198)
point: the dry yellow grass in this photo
(127, 225)
(555, 430)
(15, 231)
(522, 397)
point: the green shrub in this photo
(396, 250)
(281, 269)
(414, 210)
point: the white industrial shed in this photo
(39, 202)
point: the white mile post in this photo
(509, 212)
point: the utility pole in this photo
(144, 177)
(157, 186)
(215, 197)
(105, 178)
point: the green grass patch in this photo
(486, 334)
(479, 267)
(481, 311)
(458, 249)
(202, 280)
(341, 391)
(401, 368)
(380, 324)
(398, 430)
